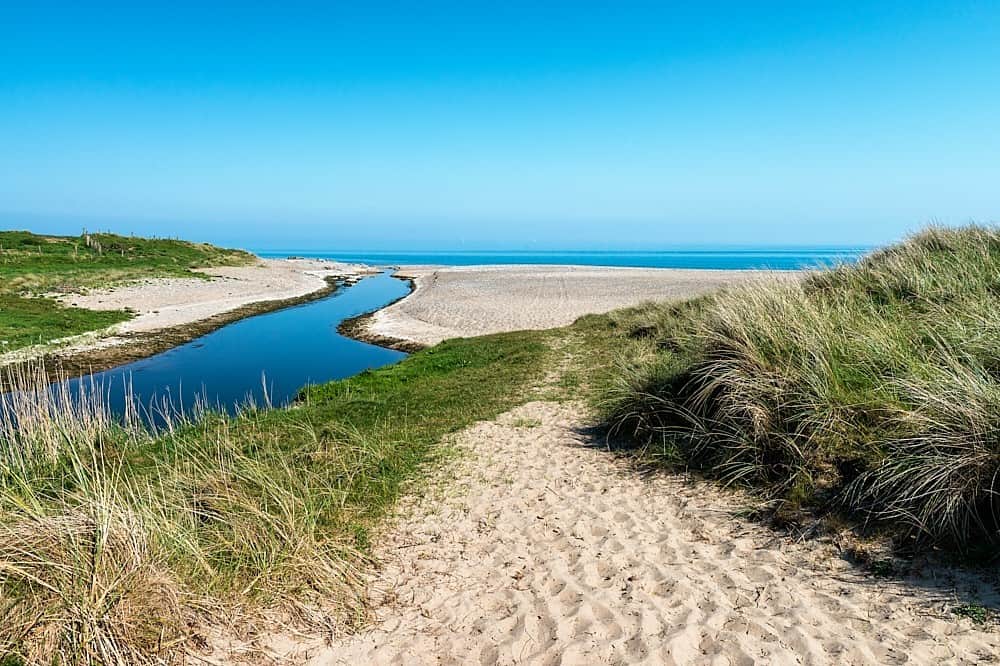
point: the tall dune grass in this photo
(117, 543)
(123, 546)
(872, 388)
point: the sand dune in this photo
(545, 549)
(463, 301)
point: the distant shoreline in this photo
(443, 302)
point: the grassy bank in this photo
(118, 547)
(871, 390)
(32, 266)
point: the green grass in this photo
(871, 389)
(115, 546)
(31, 265)
(35, 263)
(978, 613)
(29, 321)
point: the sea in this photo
(779, 258)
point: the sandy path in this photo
(463, 301)
(548, 550)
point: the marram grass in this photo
(871, 388)
(115, 541)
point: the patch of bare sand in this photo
(546, 549)
(463, 301)
(167, 302)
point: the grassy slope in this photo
(112, 542)
(871, 389)
(32, 265)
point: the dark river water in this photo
(265, 358)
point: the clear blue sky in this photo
(500, 125)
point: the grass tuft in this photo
(978, 613)
(119, 545)
(872, 388)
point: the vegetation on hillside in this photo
(117, 545)
(33, 265)
(871, 389)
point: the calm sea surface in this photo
(772, 258)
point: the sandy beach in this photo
(463, 301)
(446, 302)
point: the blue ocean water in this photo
(790, 258)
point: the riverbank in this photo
(169, 311)
(465, 301)
(224, 527)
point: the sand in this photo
(543, 548)
(168, 302)
(475, 300)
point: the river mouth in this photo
(264, 360)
